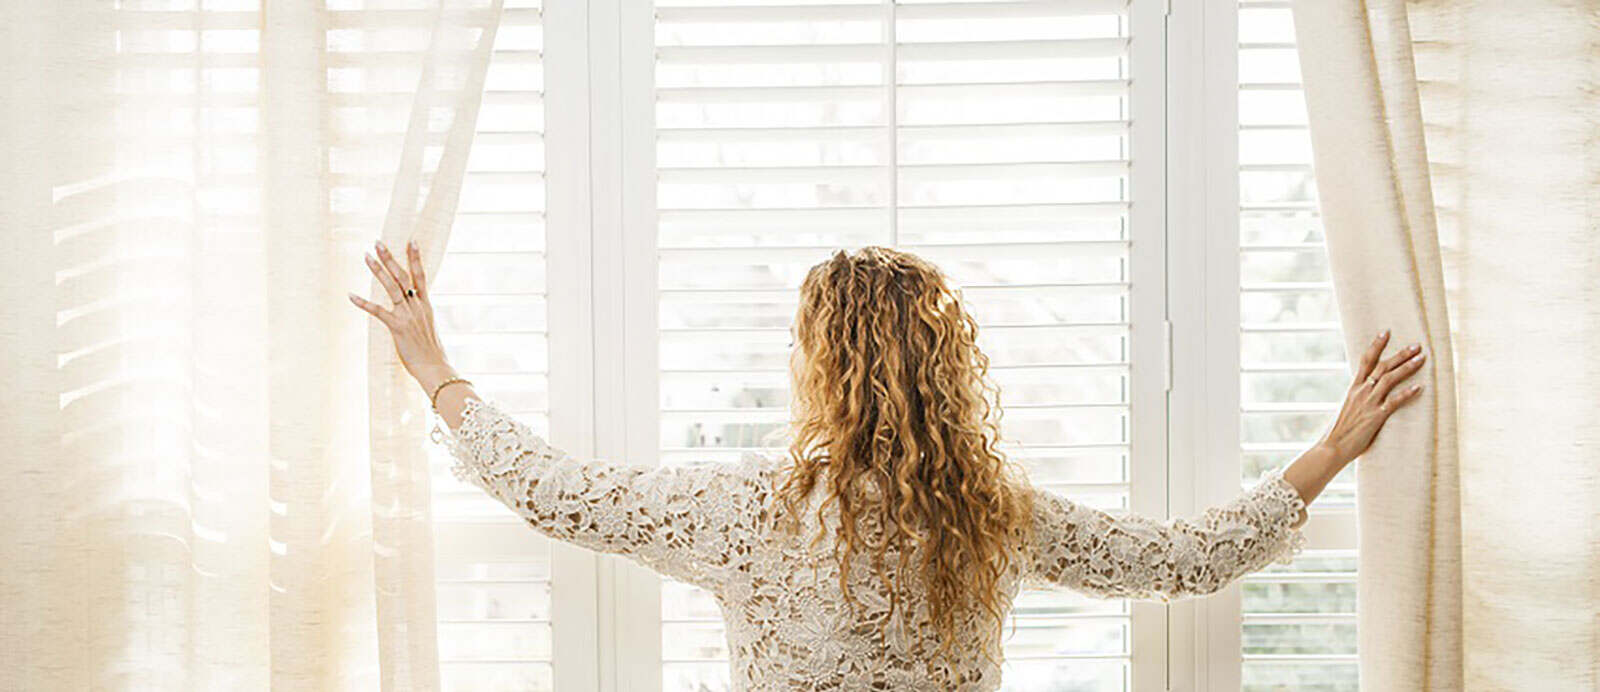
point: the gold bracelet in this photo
(434, 400)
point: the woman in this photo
(883, 551)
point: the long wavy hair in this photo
(894, 413)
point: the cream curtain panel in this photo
(214, 473)
(1457, 157)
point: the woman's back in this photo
(789, 623)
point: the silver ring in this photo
(411, 293)
(1373, 380)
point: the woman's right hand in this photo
(1371, 400)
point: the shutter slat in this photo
(767, 13)
(1289, 327)
(1015, 50)
(768, 222)
(1057, 130)
(392, 58)
(990, 216)
(470, 177)
(1280, 286)
(718, 135)
(1294, 367)
(1014, 90)
(1012, 170)
(423, 18)
(769, 175)
(1300, 658)
(1270, 86)
(1276, 407)
(875, 134)
(781, 254)
(768, 94)
(1029, 90)
(391, 99)
(780, 54)
(1011, 10)
(858, 12)
(769, 54)
(874, 174)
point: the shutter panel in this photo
(493, 572)
(990, 137)
(1299, 622)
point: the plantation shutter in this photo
(997, 139)
(494, 574)
(1299, 621)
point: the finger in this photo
(389, 286)
(1393, 403)
(1399, 358)
(1395, 375)
(400, 275)
(384, 316)
(1369, 359)
(418, 276)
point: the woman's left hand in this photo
(410, 320)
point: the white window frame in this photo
(574, 572)
(601, 181)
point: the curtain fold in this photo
(187, 193)
(1455, 152)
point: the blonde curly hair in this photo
(893, 411)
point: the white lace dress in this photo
(788, 626)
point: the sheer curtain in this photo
(1456, 152)
(188, 188)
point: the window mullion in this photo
(1204, 260)
(569, 247)
(625, 85)
(1147, 274)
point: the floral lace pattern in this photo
(788, 625)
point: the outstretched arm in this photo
(1133, 556)
(1136, 557)
(679, 521)
(676, 520)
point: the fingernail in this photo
(367, 256)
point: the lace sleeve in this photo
(1133, 556)
(674, 520)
